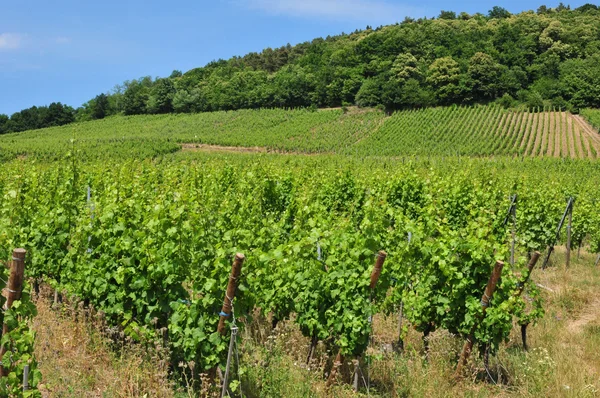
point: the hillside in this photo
(543, 58)
(442, 131)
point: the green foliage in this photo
(19, 345)
(498, 13)
(592, 116)
(153, 248)
(507, 101)
(56, 114)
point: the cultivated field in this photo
(346, 259)
(452, 131)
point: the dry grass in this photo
(77, 360)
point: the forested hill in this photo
(546, 57)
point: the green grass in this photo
(592, 116)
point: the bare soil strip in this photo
(220, 148)
(576, 137)
(572, 139)
(586, 141)
(590, 315)
(560, 142)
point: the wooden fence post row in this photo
(13, 293)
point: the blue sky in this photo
(70, 51)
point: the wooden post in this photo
(339, 358)
(236, 270)
(530, 266)
(569, 225)
(375, 274)
(13, 293)
(377, 268)
(485, 302)
(597, 260)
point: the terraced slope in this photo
(450, 131)
(483, 131)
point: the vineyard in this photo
(432, 217)
(451, 131)
(149, 244)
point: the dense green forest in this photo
(550, 57)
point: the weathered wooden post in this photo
(485, 302)
(225, 313)
(13, 293)
(532, 262)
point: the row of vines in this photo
(151, 243)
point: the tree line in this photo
(37, 117)
(550, 57)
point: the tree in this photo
(56, 114)
(483, 76)
(447, 15)
(175, 74)
(370, 93)
(498, 13)
(444, 77)
(4, 119)
(587, 7)
(136, 96)
(293, 87)
(580, 80)
(100, 107)
(161, 97)
(405, 67)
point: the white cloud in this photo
(10, 41)
(360, 10)
(62, 40)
